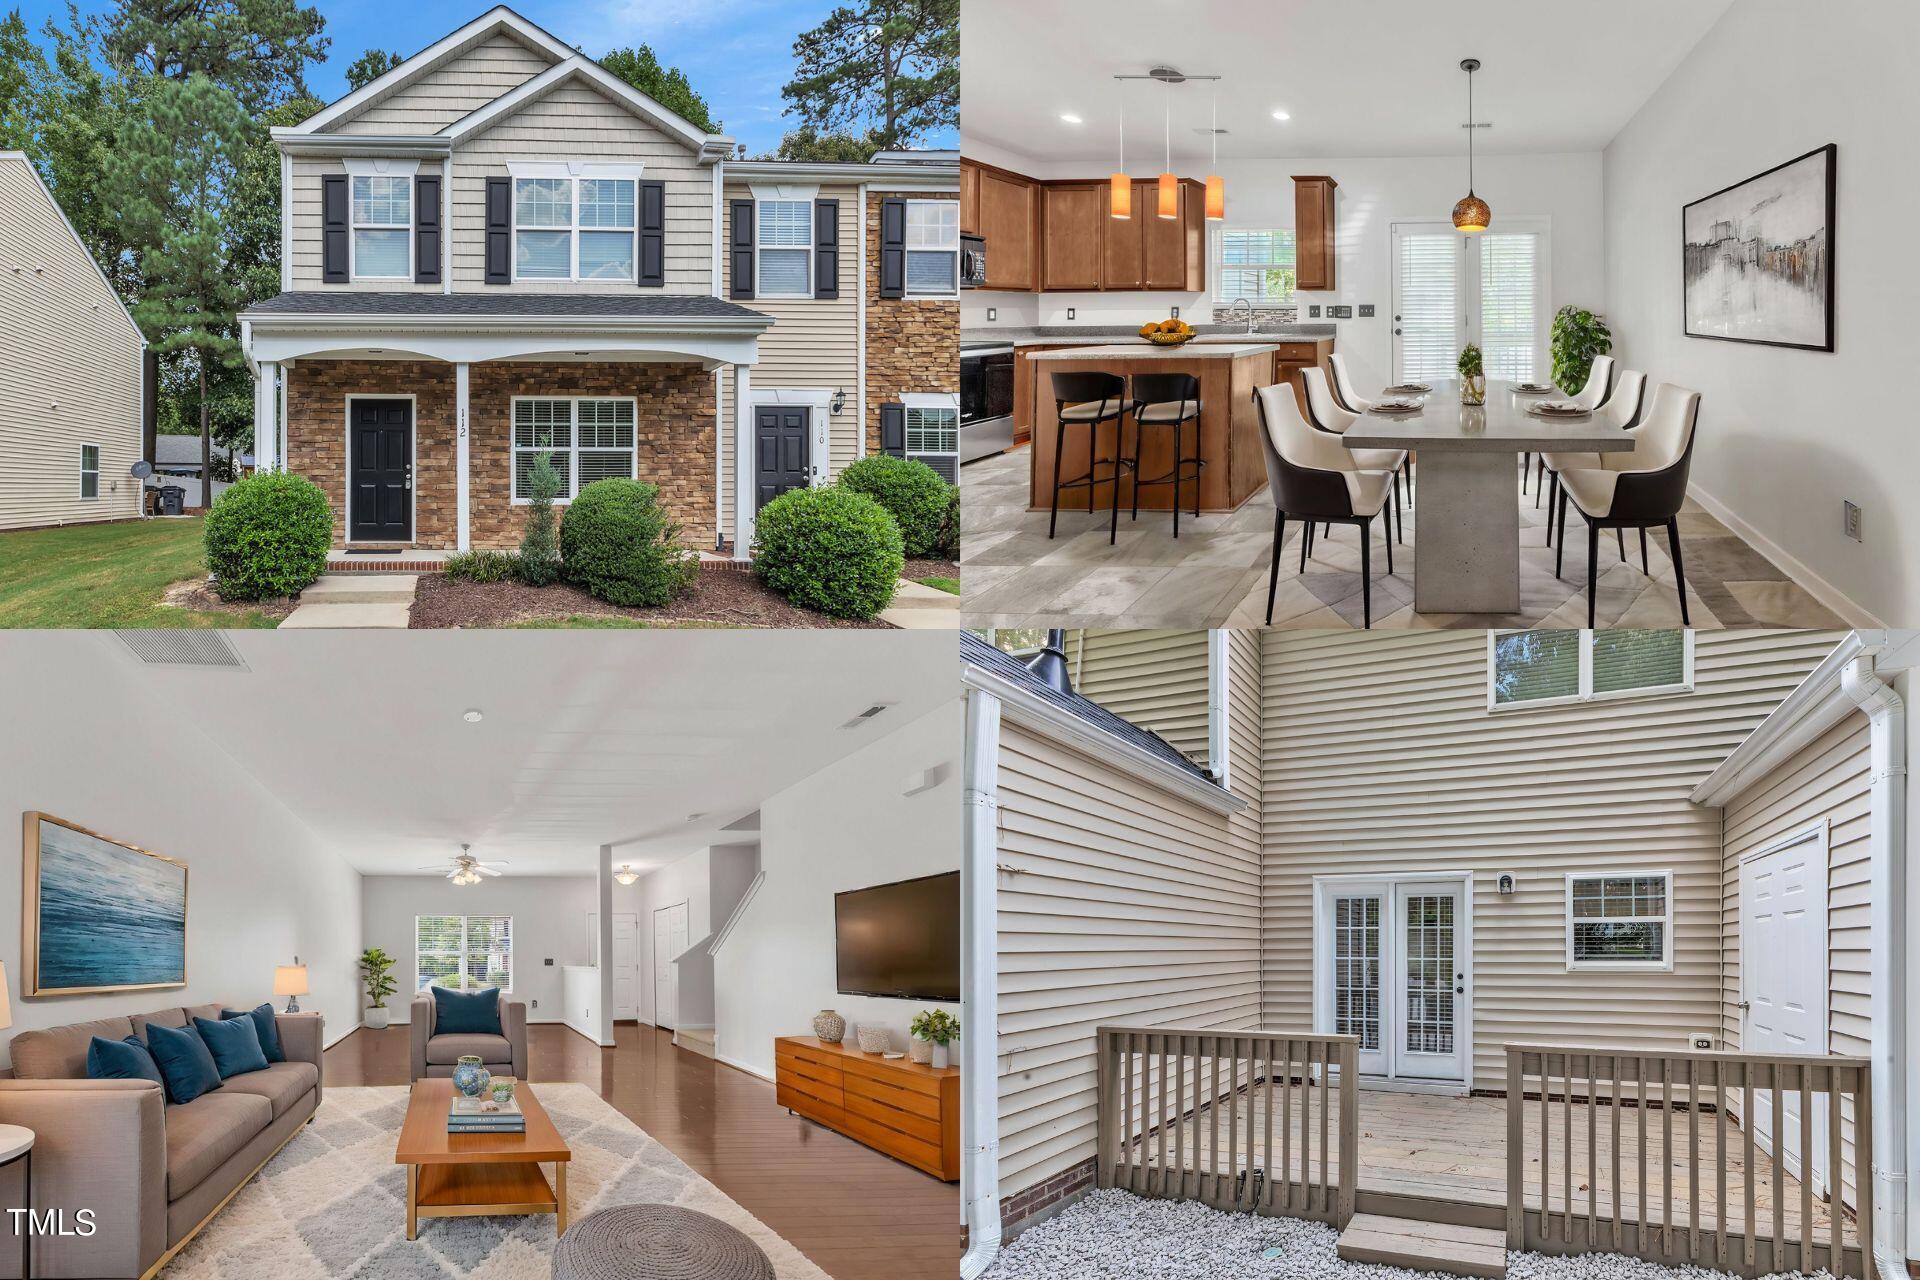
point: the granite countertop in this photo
(1020, 336)
(1148, 351)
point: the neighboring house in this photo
(74, 395)
(176, 464)
(1443, 844)
(499, 250)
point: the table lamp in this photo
(290, 980)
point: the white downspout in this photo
(1219, 759)
(860, 323)
(980, 988)
(1887, 807)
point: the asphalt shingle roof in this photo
(571, 305)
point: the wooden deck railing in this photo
(1239, 1120)
(1629, 1105)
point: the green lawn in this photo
(949, 585)
(105, 575)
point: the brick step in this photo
(1425, 1246)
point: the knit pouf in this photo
(657, 1242)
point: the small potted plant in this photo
(1473, 376)
(376, 978)
(938, 1028)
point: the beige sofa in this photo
(436, 1055)
(152, 1172)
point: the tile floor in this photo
(1215, 574)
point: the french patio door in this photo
(1489, 289)
(1392, 970)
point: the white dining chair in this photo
(1599, 382)
(1329, 417)
(1621, 410)
(1349, 399)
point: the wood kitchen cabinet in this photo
(1072, 235)
(1295, 357)
(1313, 231)
(1061, 236)
(1006, 213)
(1173, 251)
(969, 199)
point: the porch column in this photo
(460, 451)
(266, 405)
(280, 438)
(742, 461)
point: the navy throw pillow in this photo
(466, 1013)
(121, 1060)
(265, 1027)
(186, 1066)
(234, 1044)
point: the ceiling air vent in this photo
(866, 715)
(182, 649)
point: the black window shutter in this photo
(893, 248)
(826, 248)
(499, 230)
(740, 248)
(893, 429)
(333, 228)
(652, 210)
(426, 229)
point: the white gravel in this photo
(1114, 1235)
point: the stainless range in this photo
(986, 400)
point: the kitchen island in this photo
(1229, 426)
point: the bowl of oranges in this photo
(1167, 333)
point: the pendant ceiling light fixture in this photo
(1471, 214)
(626, 874)
(1216, 185)
(1120, 193)
(1169, 185)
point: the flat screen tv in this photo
(900, 939)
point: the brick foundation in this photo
(674, 437)
(913, 344)
(1053, 1193)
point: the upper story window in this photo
(933, 248)
(1545, 667)
(573, 228)
(784, 236)
(382, 227)
(1257, 265)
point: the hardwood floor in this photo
(857, 1214)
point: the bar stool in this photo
(1168, 400)
(1089, 399)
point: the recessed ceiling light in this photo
(1281, 115)
(473, 717)
(1067, 117)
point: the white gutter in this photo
(980, 985)
(719, 376)
(1887, 850)
(1219, 757)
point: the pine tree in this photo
(894, 63)
(539, 562)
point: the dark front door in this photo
(781, 433)
(380, 470)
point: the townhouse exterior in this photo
(499, 251)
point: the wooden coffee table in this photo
(465, 1175)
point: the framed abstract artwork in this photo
(1759, 257)
(98, 914)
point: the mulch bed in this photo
(197, 595)
(920, 570)
(718, 597)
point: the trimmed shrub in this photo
(618, 545)
(483, 566)
(267, 537)
(539, 561)
(947, 545)
(832, 550)
(912, 493)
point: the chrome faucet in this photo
(1242, 302)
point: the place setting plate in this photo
(1557, 409)
(1396, 408)
(1533, 389)
(1407, 389)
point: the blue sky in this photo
(738, 53)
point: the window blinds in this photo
(463, 953)
(1509, 322)
(1426, 301)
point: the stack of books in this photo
(484, 1115)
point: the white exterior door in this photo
(1783, 968)
(1430, 982)
(1489, 289)
(669, 940)
(626, 966)
(1358, 917)
(1392, 967)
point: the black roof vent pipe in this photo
(1050, 664)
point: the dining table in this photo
(1466, 510)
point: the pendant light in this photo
(1216, 185)
(1471, 214)
(1120, 186)
(1169, 185)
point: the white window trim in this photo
(357, 171)
(808, 196)
(1662, 965)
(1216, 248)
(1586, 693)
(99, 456)
(512, 964)
(906, 289)
(573, 171)
(573, 447)
(935, 400)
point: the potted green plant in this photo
(1473, 376)
(938, 1028)
(1578, 336)
(376, 977)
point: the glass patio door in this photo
(1431, 983)
(1489, 289)
(1358, 932)
(1394, 974)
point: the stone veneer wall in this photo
(674, 436)
(913, 344)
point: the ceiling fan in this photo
(466, 868)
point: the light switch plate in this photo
(1176, 313)
(1069, 313)
(1313, 311)
(1366, 311)
(993, 313)
(1850, 517)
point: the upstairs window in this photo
(1620, 921)
(1257, 265)
(89, 470)
(783, 235)
(933, 249)
(573, 229)
(1544, 667)
(382, 227)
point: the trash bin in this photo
(173, 500)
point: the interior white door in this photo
(1489, 289)
(1429, 323)
(626, 966)
(1783, 948)
(669, 940)
(1358, 936)
(1429, 982)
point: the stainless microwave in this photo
(973, 262)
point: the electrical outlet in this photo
(533, 1004)
(1313, 311)
(1069, 313)
(993, 313)
(1366, 311)
(1341, 312)
(1176, 313)
(1850, 519)
(549, 962)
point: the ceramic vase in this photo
(374, 1018)
(875, 1040)
(829, 1026)
(939, 1056)
(470, 1077)
(1473, 389)
(919, 1050)
(502, 1091)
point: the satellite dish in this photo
(142, 469)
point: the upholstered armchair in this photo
(434, 1054)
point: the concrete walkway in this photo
(918, 607)
(356, 600)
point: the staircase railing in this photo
(1629, 1110)
(1239, 1120)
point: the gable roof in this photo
(20, 158)
(582, 68)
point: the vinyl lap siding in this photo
(1156, 679)
(304, 200)
(1382, 756)
(462, 84)
(70, 369)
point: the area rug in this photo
(332, 1203)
